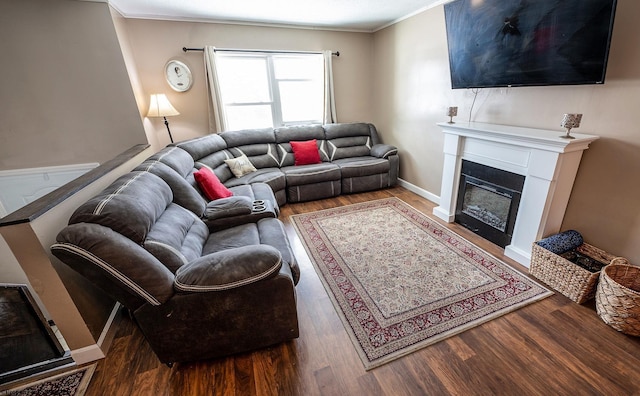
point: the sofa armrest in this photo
(383, 150)
(229, 269)
(228, 207)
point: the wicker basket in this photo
(618, 298)
(568, 278)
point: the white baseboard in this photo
(104, 341)
(420, 191)
(443, 214)
(521, 256)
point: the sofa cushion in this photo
(350, 140)
(209, 184)
(209, 151)
(271, 233)
(305, 153)
(175, 158)
(348, 147)
(383, 150)
(298, 133)
(285, 135)
(201, 147)
(177, 237)
(263, 210)
(362, 166)
(257, 144)
(242, 235)
(227, 207)
(184, 193)
(335, 131)
(229, 269)
(130, 205)
(257, 192)
(310, 174)
(313, 192)
(240, 166)
(265, 231)
(271, 176)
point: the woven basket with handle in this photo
(618, 297)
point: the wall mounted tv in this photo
(501, 43)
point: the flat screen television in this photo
(501, 43)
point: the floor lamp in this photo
(159, 106)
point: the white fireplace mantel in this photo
(548, 162)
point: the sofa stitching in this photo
(104, 265)
(270, 153)
(284, 154)
(390, 152)
(323, 149)
(290, 175)
(105, 201)
(151, 165)
(335, 150)
(360, 165)
(166, 153)
(195, 288)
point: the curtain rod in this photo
(185, 49)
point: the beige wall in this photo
(66, 98)
(412, 89)
(153, 43)
(65, 94)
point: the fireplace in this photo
(547, 163)
(28, 343)
(488, 201)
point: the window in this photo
(260, 90)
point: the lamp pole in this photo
(168, 130)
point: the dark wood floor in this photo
(552, 347)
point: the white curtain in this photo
(216, 110)
(329, 113)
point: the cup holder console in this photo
(259, 206)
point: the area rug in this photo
(400, 281)
(70, 383)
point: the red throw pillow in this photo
(210, 185)
(305, 153)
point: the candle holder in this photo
(570, 121)
(452, 112)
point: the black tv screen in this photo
(500, 43)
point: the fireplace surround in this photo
(548, 163)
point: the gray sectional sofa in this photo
(353, 160)
(211, 278)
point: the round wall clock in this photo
(178, 75)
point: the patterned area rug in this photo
(71, 383)
(400, 281)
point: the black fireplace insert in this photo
(488, 200)
(28, 344)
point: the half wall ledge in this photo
(82, 313)
(40, 206)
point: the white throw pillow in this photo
(240, 166)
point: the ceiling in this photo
(356, 15)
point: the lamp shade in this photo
(159, 106)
